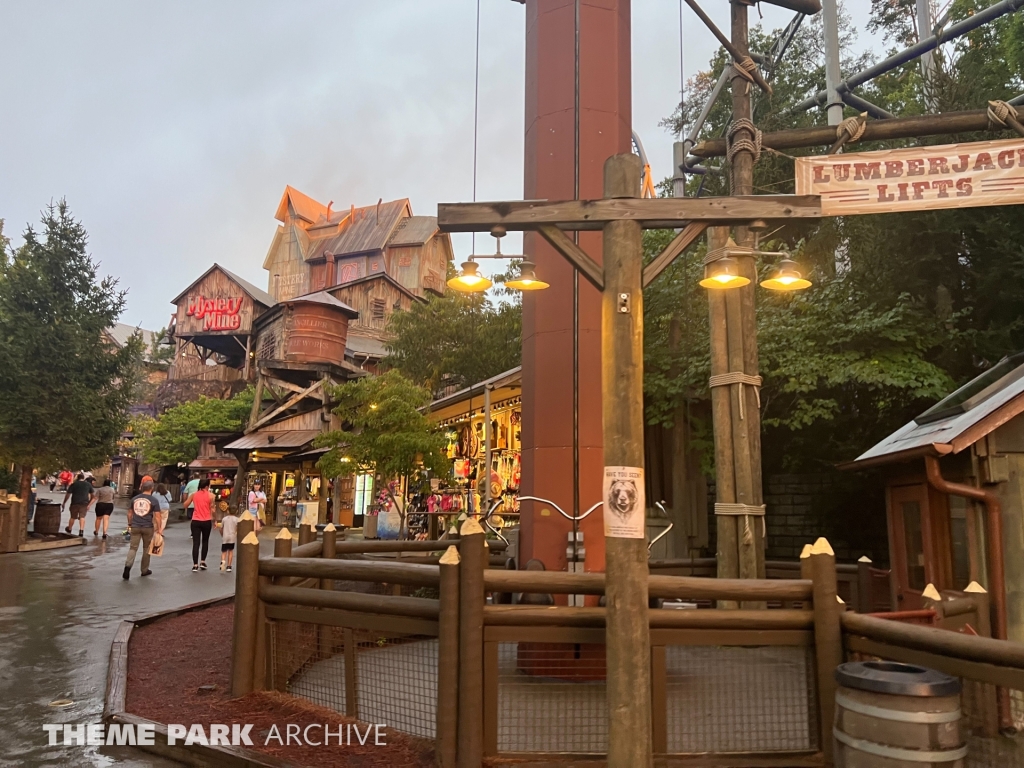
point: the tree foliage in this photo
(455, 340)
(904, 307)
(172, 437)
(66, 392)
(384, 430)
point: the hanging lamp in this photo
(786, 277)
(723, 273)
(469, 280)
(527, 280)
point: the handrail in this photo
(940, 641)
(409, 574)
(564, 582)
(391, 605)
(561, 511)
(310, 549)
(660, 536)
(567, 616)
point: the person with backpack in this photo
(142, 511)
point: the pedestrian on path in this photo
(257, 504)
(202, 523)
(228, 532)
(163, 497)
(187, 492)
(104, 507)
(80, 494)
(141, 522)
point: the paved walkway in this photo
(59, 610)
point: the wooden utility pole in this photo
(627, 632)
(735, 402)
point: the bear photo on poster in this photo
(624, 508)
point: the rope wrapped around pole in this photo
(1002, 114)
(746, 511)
(849, 131)
(738, 377)
(743, 143)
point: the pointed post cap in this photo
(450, 556)
(470, 527)
(329, 527)
(250, 538)
(453, 530)
(805, 552)
(863, 559)
(931, 593)
(284, 534)
(840, 600)
(247, 515)
(822, 547)
(463, 516)
(975, 587)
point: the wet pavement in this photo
(59, 610)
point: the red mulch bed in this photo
(169, 659)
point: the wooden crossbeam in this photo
(575, 255)
(292, 401)
(652, 213)
(680, 243)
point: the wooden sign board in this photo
(915, 178)
(214, 305)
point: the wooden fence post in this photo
(473, 555)
(243, 645)
(805, 571)
(246, 525)
(828, 637)
(307, 533)
(448, 660)
(329, 551)
(864, 603)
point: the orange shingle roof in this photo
(304, 206)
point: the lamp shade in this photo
(786, 277)
(527, 280)
(469, 280)
(722, 274)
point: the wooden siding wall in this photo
(361, 297)
(286, 261)
(420, 268)
(215, 286)
(269, 342)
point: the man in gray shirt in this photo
(141, 511)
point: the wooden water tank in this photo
(897, 716)
(316, 333)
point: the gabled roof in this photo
(414, 230)
(254, 293)
(358, 230)
(305, 207)
(378, 276)
(119, 333)
(323, 297)
(996, 405)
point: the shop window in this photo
(364, 494)
(377, 309)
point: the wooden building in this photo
(213, 326)
(955, 495)
(378, 259)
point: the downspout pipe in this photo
(994, 530)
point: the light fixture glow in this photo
(722, 274)
(787, 277)
(527, 280)
(469, 280)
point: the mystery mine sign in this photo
(916, 178)
(216, 314)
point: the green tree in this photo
(455, 340)
(65, 392)
(386, 431)
(172, 438)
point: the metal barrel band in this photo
(897, 753)
(893, 714)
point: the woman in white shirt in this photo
(257, 504)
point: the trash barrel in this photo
(47, 518)
(896, 715)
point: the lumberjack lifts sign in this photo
(915, 179)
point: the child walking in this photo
(228, 527)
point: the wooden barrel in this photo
(46, 520)
(891, 715)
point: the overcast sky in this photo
(172, 128)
